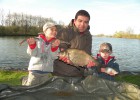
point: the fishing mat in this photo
(72, 88)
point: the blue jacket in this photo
(111, 63)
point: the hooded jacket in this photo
(42, 55)
(110, 63)
(82, 41)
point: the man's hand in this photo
(90, 64)
(64, 59)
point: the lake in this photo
(126, 51)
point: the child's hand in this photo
(55, 43)
(103, 70)
(111, 73)
(31, 41)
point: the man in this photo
(78, 35)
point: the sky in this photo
(107, 16)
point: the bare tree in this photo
(23, 20)
(129, 30)
(2, 16)
(8, 20)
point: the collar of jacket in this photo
(106, 61)
(71, 24)
(44, 38)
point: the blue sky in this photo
(107, 16)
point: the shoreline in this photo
(26, 69)
(13, 76)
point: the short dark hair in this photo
(83, 13)
(107, 45)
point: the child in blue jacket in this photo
(109, 66)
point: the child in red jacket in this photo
(43, 52)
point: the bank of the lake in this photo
(13, 77)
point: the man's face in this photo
(81, 23)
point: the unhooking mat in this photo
(72, 88)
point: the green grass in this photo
(13, 77)
(134, 79)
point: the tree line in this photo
(129, 33)
(20, 24)
(14, 24)
(123, 34)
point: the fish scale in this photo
(78, 57)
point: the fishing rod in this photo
(61, 41)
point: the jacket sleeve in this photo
(115, 66)
(35, 51)
(63, 35)
(88, 48)
(54, 55)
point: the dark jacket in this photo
(111, 63)
(82, 41)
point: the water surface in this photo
(126, 52)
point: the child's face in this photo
(105, 55)
(51, 32)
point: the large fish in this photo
(78, 57)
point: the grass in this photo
(13, 77)
(134, 79)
